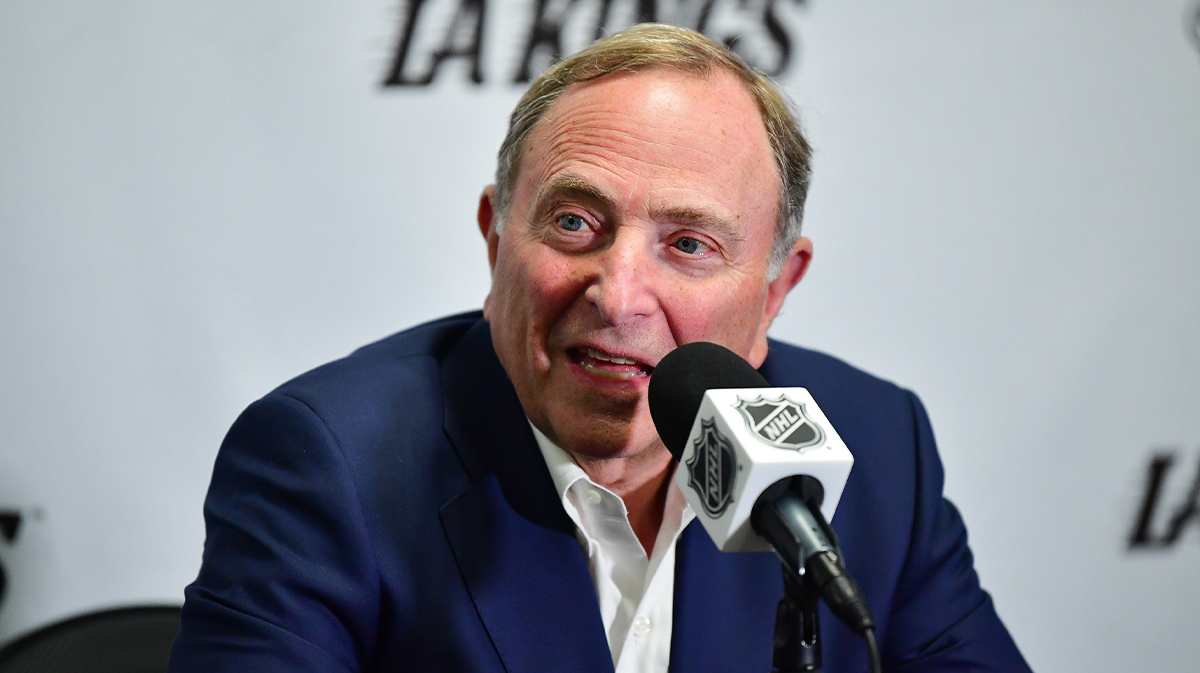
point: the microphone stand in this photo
(797, 629)
(787, 514)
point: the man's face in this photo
(642, 219)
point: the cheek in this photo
(532, 286)
(728, 316)
(550, 286)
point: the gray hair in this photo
(651, 45)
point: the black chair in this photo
(126, 640)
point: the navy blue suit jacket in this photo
(391, 512)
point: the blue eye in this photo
(688, 246)
(571, 222)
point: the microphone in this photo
(762, 467)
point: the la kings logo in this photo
(713, 469)
(1159, 527)
(781, 422)
(517, 40)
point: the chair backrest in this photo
(126, 640)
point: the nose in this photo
(623, 289)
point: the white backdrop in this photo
(201, 200)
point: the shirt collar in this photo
(563, 468)
(564, 471)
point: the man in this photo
(488, 493)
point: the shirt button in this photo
(591, 496)
(641, 626)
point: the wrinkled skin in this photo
(642, 219)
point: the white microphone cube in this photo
(745, 439)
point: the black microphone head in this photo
(679, 381)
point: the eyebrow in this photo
(570, 184)
(701, 219)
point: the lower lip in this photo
(605, 377)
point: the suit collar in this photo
(724, 610)
(514, 544)
(488, 428)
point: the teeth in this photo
(606, 373)
(594, 355)
(615, 359)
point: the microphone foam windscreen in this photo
(679, 381)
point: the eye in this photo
(571, 222)
(689, 246)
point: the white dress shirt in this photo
(636, 593)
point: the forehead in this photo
(658, 134)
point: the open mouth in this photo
(609, 366)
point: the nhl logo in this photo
(781, 423)
(712, 469)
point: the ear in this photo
(486, 216)
(777, 290)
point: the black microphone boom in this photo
(807, 546)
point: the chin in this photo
(605, 437)
(595, 421)
(595, 437)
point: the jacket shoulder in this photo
(391, 360)
(384, 399)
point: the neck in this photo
(641, 481)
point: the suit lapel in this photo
(724, 611)
(514, 545)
